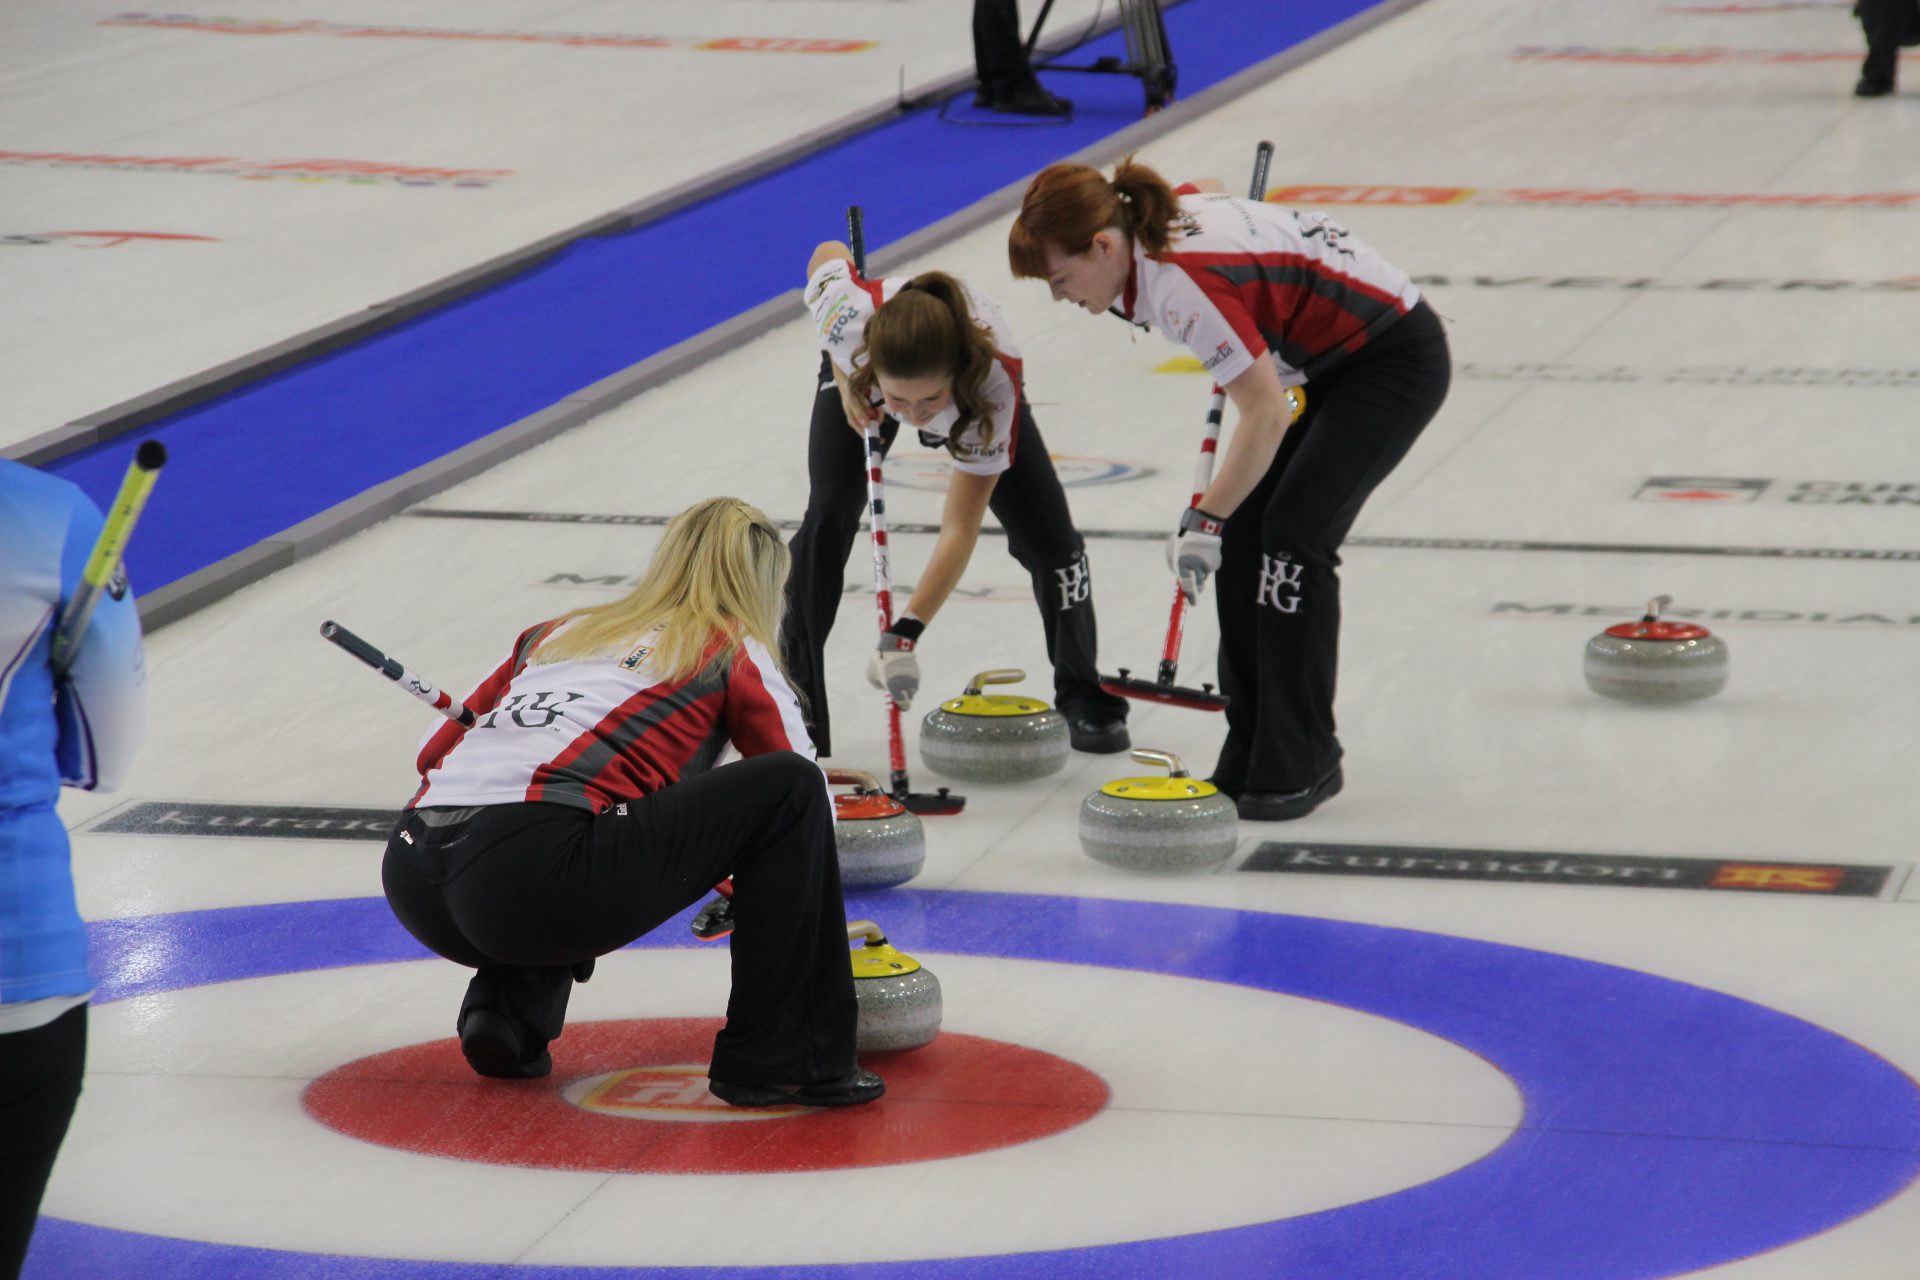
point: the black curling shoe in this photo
(1281, 806)
(1028, 98)
(493, 1048)
(849, 1090)
(1098, 734)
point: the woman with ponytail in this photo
(1267, 298)
(934, 354)
(583, 809)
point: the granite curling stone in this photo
(898, 997)
(1655, 661)
(880, 842)
(985, 737)
(1176, 823)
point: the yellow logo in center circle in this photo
(675, 1092)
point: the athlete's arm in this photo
(960, 518)
(762, 713)
(1265, 416)
(829, 251)
(858, 414)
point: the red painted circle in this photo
(959, 1095)
(1659, 631)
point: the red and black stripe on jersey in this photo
(601, 767)
(1293, 305)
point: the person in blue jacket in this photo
(79, 731)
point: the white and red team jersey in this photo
(1242, 279)
(592, 732)
(842, 301)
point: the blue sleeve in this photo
(101, 706)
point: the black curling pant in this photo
(523, 892)
(1029, 504)
(1278, 593)
(999, 50)
(40, 1071)
(1886, 24)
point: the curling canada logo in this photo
(1714, 490)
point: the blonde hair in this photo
(719, 571)
(927, 330)
(1066, 205)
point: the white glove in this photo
(894, 668)
(1193, 553)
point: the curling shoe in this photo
(1098, 734)
(848, 1091)
(1282, 806)
(493, 1048)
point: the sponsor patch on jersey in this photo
(639, 655)
(1221, 354)
(834, 321)
(833, 275)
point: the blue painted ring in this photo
(1668, 1128)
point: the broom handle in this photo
(877, 516)
(1209, 447)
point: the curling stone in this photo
(1176, 823)
(880, 843)
(1655, 661)
(899, 999)
(994, 737)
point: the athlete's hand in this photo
(1193, 553)
(859, 412)
(894, 668)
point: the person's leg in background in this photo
(1032, 507)
(40, 1073)
(1884, 23)
(1007, 82)
(836, 497)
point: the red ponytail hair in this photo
(1066, 205)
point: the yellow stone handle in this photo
(1002, 675)
(1174, 767)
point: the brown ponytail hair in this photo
(1066, 205)
(927, 330)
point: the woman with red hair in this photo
(1267, 298)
